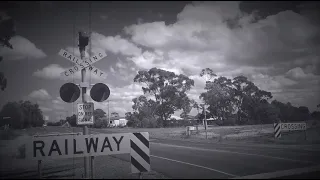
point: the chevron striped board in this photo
(139, 152)
(277, 130)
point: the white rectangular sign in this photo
(38, 148)
(85, 113)
(97, 72)
(82, 63)
(92, 69)
(293, 126)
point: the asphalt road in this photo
(189, 160)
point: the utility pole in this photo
(83, 42)
(205, 120)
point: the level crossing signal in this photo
(70, 92)
(100, 92)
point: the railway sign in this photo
(69, 92)
(293, 126)
(100, 92)
(72, 145)
(54, 147)
(80, 64)
(85, 114)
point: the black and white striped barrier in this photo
(140, 152)
(277, 130)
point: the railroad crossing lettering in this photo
(293, 126)
(80, 64)
(77, 146)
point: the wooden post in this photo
(39, 169)
(92, 167)
(305, 134)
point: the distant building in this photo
(117, 121)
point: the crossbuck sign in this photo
(80, 64)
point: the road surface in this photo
(180, 159)
(189, 160)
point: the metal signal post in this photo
(83, 42)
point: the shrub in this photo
(8, 134)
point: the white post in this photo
(205, 120)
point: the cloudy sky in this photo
(274, 44)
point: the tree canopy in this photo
(22, 114)
(167, 88)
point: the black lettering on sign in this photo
(82, 66)
(90, 60)
(39, 148)
(87, 113)
(92, 143)
(54, 147)
(65, 54)
(70, 70)
(76, 68)
(104, 144)
(118, 142)
(101, 73)
(65, 73)
(96, 71)
(77, 62)
(100, 55)
(69, 57)
(66, 146)
(90, 68)
(75, 148)
(95, 58)
(73, 59)
(87, 63)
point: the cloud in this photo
(202, 31)
(51, 71)
(103, 17)
(22, 49)
(45, 109)
(279, 53)
(140, 20)
(114, 44)
(40, 94)
(299, 74)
